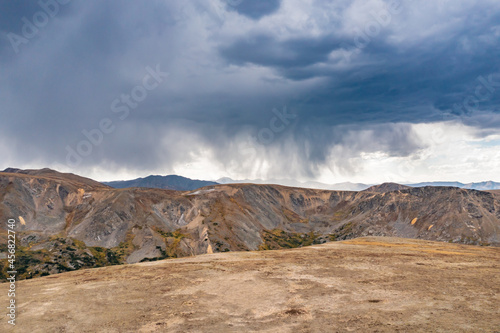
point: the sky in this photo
(312, 90)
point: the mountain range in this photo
(67, 222)
(174, 182)
(481, 186)
(171, 182)
(348, 186)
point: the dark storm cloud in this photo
(393, 84)
(227, 74)
(12, 12)
(254, 9)
(18, 18)
(267, 51)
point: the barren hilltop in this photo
(370, 284)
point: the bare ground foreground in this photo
(363, 285)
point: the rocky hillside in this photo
(66, 222)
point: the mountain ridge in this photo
(345, 186)
(387, 187)
(170, 182)
(348, 186)
(65, 225)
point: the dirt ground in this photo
(363, 285)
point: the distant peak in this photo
(387, 187)
(11, 170)
(29, 171)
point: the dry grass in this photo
(363, 285)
